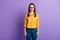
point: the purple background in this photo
(12, 19)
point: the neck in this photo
(31, 12)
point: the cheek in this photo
(30, 8)
(33, 8)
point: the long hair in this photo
(30, 11)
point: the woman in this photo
(31, 23)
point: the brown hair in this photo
(30, 11)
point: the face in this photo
(31, 7)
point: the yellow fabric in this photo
(31, 21)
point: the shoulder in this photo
(26, 14)
(37, 14)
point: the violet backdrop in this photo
(12, 14)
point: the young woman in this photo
(31, 23)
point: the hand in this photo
(25, 34)
(37, 33)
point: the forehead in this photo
(31, 5)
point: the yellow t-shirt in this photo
(31, 21)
